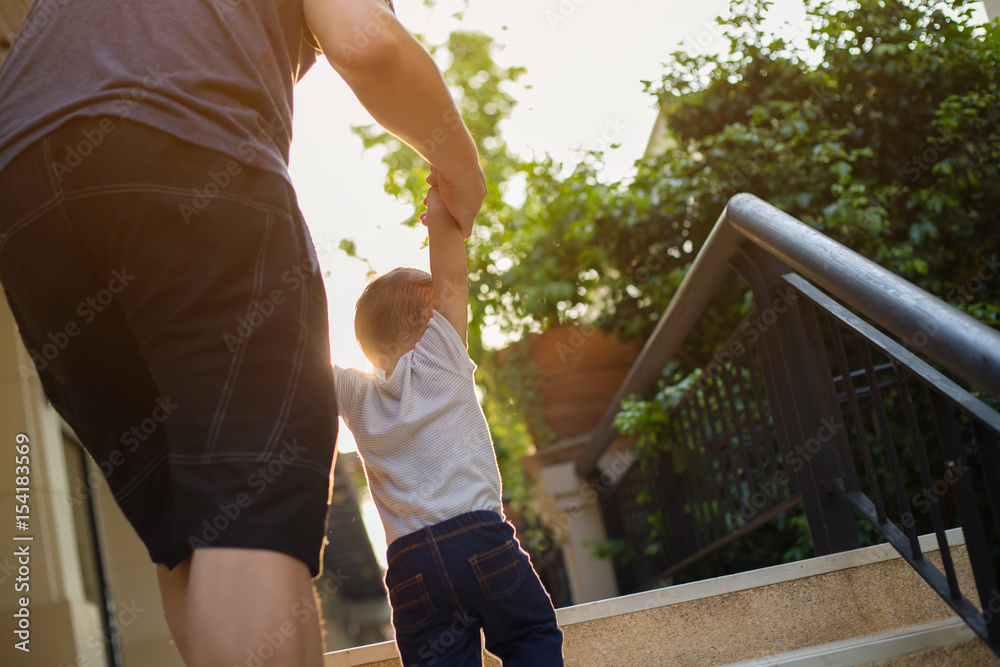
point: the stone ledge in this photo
(742, 616)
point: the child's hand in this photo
(436, 212)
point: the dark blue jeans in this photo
(448, 581)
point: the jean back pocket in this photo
(499, 571)
(411, 604)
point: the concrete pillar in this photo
(573, 513)
(992, 8)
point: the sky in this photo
(585, 61)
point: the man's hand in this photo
(398, 82)
(462, 194)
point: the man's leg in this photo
(173, 591)
(251, 603)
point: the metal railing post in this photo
(809, 425)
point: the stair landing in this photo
(753, 615)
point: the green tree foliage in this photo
(884, 136)
(881, 132)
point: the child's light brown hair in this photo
(392, 313)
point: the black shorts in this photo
(172, 303)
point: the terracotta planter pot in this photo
(580, 371)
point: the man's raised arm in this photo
(398, 82)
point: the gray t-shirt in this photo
(216, 73)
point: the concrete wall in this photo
(64, 626)
(992, 8)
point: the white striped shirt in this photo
(421, 433)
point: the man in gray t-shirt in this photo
(165, 286)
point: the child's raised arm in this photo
(449, 263)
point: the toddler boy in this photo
(454, 564)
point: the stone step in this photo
(747, 616)
(947, 641)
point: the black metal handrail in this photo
(820, 369)
(962, 344)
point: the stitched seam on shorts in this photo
(99, 274)
(139, 188)
(146, 472)
(298, 232)
(54, 182)
(47, 207)
(293, 380)
(250, 457)
(442, 537)
(234, 367)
